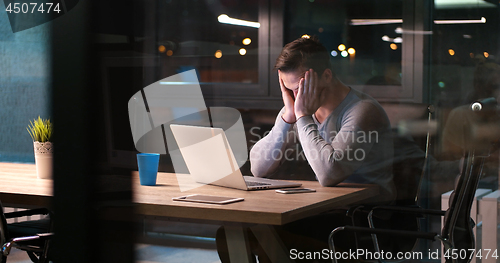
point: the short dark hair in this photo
(303, 52)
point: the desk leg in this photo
(237, 244)
(271, 243)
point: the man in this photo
(345, 135)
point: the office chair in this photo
(32, 236)
(457, 230)
(411, 165)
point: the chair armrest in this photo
(14, 242)
(29, 212)
(414, 210)
(417, 234)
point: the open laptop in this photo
(210, 159)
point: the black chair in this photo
(457, 229)
(411, 165)
(32, 236)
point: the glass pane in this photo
(464, 68)
(24, 86)
(464, 36)
(217, 38)
(364, 42)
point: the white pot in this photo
(43, 159)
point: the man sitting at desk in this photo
(345, 134)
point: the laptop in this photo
(210, 159)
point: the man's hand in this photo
(309, 97)
(288, 99)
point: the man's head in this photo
(303, 53)
(299, 56)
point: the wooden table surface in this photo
(260, 207)
(19, 186)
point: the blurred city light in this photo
(393, 46)
(344, 53)
(341, 47)
(246, 41)
(306, 36)
(351, 51)
(243, 51)
(451, 52)
(334, 53)
(218, 54)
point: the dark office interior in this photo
(417, 58)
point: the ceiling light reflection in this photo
(399, 30)
(225, 19)
(469, 21)
(368, 22)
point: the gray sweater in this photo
(353, 144)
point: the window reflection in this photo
(464, 35)
(217, 38)
(364, 42)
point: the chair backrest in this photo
(457, 229)
(410, 154)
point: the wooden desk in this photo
(259, 207)
(20, 187)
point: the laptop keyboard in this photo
(255, 183)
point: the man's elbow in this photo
(257, 172)
(327, 180)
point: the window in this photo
(368, 41)
(225, 41)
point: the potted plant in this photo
(41, 133)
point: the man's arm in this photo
(266, 155)
(333, 163)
